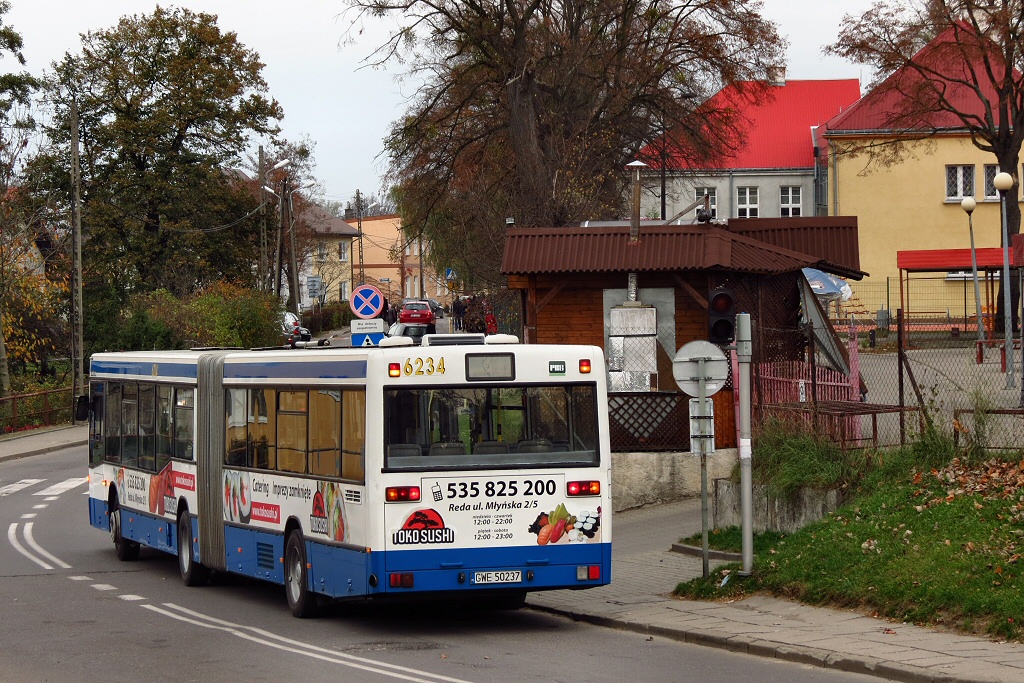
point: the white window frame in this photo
(712, 193)
(990, 171)
(321, 251)
(787, 207)
(747, 202)
(959, 181)
(343, 251)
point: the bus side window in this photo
(164, 420)
(147, 428)
(113, 423)
(236, 440)
(130, 424)
(353, 435)
(96, 442)
(183, 430)
(325, 432)
(291, 431)
(262, 428)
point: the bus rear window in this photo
(490, 427)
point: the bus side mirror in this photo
(82, 407)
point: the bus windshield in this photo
(483, 427)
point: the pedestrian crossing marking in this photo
(19, 485)
(61, 487)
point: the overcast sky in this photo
(325, 95)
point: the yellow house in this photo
(391, 262)
(908, 197)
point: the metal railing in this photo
(38, 409)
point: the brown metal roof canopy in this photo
(664, 248)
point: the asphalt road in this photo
(70, 609)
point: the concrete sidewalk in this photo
(645, 571)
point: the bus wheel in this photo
(192, 573)
(126, 550)
(301, 601)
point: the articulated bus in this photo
(476, 470)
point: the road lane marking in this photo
(19, 485)
(63, 486)
(30, 539)
(131, 598)
(104, 587)
(29, 515)
(269, 639)
(12, 536)
(80, 578)
(41, 506)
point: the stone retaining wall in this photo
(770, 512)
(640, 479)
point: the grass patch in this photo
(730, 540)
(932, 546)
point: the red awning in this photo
(939, 260)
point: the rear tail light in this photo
(394, 369)
(585, 366)
(402, 494)
(588, 573)
(583, 488)
(400, 580)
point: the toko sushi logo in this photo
(318, 517)
(423, 526)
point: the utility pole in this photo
(419, 247)
(294, 285)
(278, 241)
(78, 354)
(359, 220)
(262, 279)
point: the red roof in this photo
(606, 249)
(946, 55)
(779, 123)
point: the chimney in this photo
(634, 223)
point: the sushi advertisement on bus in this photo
(504, 510)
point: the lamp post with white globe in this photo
(968, 205)
(1003, 182)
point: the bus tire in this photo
(301, 601)
(126, 550)
(192, 573)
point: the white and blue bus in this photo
(475, 470)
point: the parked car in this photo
(414, 331)
(416, 312)
(437, 308)
(293, 331)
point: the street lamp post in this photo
(294, 286)
(968, 204)
(1003, 182)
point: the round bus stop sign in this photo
(366, 302)
(686, 368)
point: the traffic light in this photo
(721, 316)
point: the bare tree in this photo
(945, 65)
(529, 109)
